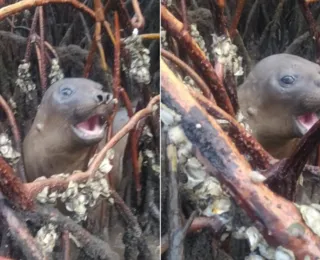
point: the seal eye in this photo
(287, 80)
(66, 92)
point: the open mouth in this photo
(92, 129)
(306, 121)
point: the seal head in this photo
(69, 122)
(281, 98)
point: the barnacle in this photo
(6, 149)
(189, 81)
(176, 135)
(52, 198)
(265, 250)
(105, 166)
(283, 254)
(256, 240)
(254, 237)
(168, 116)
(70, 192)
(164, 43)
(47, 237)
(257, 177)
(242, 120)
(42, 196)
(195, 171)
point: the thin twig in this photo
(198, 80)
(128, 127)
(66, 245)
(132, 221)
(133, 145)
(176, 248)
(43, 73)
(116, 73)
(31, 35)
(184, 14)
(138, 19)
(89, 61)
(20, 233)
(16, 134)
(91, 245)
(236, 18)
(26, 4)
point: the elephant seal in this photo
(280, 100)
(69, 122)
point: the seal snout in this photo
(104, 97)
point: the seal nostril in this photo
(100, 98)
(109, 97)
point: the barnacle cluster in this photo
(147, 156)
(79, 197)
(24, 81)
(56, 72)
(198, 38)
(200, 185)
(46, 237)
(6, 149)
(226, 53)
(140, 59)
(260, 249)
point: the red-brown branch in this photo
(124, 14)
(133, 144)
(42, 61)
(26, 4)
(116, 71)
(222, 21)
(172, 25)
(236, 18)
(217, 152)
(12, 187)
